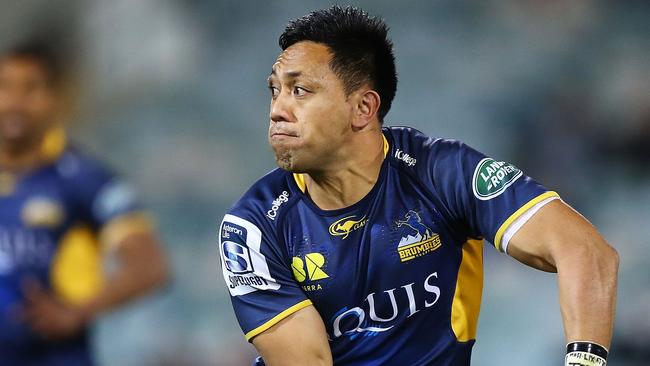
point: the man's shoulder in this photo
(411, 147)
(76, 164)
(263, 201)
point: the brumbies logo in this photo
(343, 227)
(422, 240)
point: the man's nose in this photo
(281, 108)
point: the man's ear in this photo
(367, 107)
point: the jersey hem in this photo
(516, 214)
(276, 319)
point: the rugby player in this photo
(61, 212)
(365, 246)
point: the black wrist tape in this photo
(588, 347)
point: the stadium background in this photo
(173, 95)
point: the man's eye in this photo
(298, 91)
(274, 91)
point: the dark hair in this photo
(362, 51)
(42, 52)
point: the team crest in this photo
(42, 212)
(419, 240)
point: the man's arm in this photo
(299, 339)
(558, 239)
(142, 266)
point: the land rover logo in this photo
(491, 178)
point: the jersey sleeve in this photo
(261, 286)
(491, 198)
(108, 203)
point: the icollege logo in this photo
(343, 227)
(275, 205)
(423, 241)
(406, 158)
(315, 263)
(491, 178)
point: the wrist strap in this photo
(585, 354)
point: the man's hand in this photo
(48, 316)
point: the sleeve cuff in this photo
(513, 223)
(276, 319)
(114, 231)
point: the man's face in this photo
(27, 102)
(310, 114)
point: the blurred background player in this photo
(61, 212)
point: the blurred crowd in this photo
(172, 94)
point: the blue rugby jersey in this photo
(49, 221)
(396, 277)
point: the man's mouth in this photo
(281, 134)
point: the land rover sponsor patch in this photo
(492, 177)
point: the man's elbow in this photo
(159, 274)
(611, 258)
(591, 254)
(604, 257)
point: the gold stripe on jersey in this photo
(300, 181)
(466, 304)
(76, 272)
(276, 319)
(54, 143)
(516, 214)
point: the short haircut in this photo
(41, 52)
(362, 51)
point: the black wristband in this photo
(588, 347)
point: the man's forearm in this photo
(587, 282)
(142, 267)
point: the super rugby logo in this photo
(273, 212)
(364, 318)
(243, 265)
(343, 227)
(237, 257)
(406, 158)
(491, 178)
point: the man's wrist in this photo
(585, 354)
(87, 313)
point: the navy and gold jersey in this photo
(50, 219)
(396, 277)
